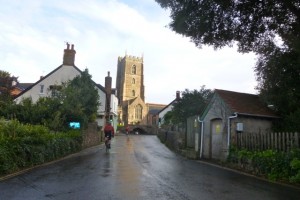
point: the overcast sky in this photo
(33, 35)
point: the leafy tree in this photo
(5, 86)
(221, 23)
(270, 28)
(4, 74)
(191, 103)
(76, 100)
(280, 86)
(80, 99)
(168, 118)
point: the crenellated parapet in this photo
(131, 58)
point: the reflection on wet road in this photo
(137, 167)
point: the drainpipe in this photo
(202, 128)
(228, 127)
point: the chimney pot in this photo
(177, 94)
(69, 55)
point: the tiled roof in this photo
(24, 86)
(154, 111)
(172, 102)
(243, 103)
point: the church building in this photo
(131, 90)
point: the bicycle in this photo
(107, 144)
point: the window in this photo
(55, 90)
(133, 93)
(138, 112)
(133, 69)
(133, 81)
(42, 89)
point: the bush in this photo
(295, 165)
(24, 146)
(275, 165)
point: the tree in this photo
(80, 99)
(270, 28)
(4, 74)
(76, 100)
(168, 118)
(221, 23)
(5, 86)
(191, 103)
(280, 85)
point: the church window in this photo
(138, 112)
(133, 69)
(133, 93)
(133, 81)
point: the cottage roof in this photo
(243, 103)
(170, 104)
(45, 77)
(23, 86)
(154, 111)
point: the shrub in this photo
(275, 165)
(295, 165)
(28, 145)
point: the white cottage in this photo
(165, 110)
(45, 87)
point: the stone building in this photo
(131, 90)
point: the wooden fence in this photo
(263, 141)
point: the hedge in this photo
(23, 146)
(275, 165)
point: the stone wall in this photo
(172, 139)
(176, 141)
(91, 136)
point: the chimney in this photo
(177, 95)
(108, 81)
(108, 84)
(69, 55)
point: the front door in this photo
(216, 138)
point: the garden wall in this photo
(91, 136)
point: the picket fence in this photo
(281, 141)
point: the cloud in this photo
(32, 42)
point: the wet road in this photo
(137, 167)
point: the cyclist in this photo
(109, 132)
(127, 130)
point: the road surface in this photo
(137, 167)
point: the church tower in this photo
(130, 78)
(131, 90)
